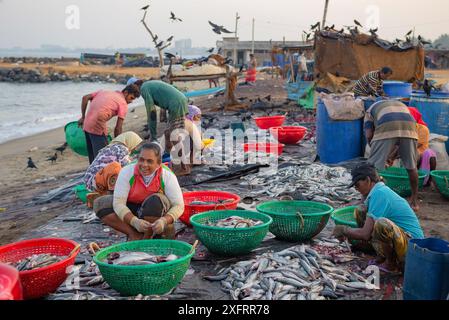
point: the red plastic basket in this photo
(274, 148)
(190, 210)
(40, 282)
(288, 135)
(10, 287)
(266, 123)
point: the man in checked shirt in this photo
(371, 84)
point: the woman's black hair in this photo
(155, 147)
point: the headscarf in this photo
(130, 139)
(417, 115)
(193, 111)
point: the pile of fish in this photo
(234, 222)
(296, 273)
(314, 182)
(37, 261)
(132, 258)
(208, 203)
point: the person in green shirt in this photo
(161, 94)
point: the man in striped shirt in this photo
(371, 84)
(389, 126)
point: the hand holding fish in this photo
(140, 224)
(339, 232)
(159, 226)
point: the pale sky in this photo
(116, 23)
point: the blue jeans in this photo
(94, 144)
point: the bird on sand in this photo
(358, 24)
(145, 8)
(174, 18)
(31, 164)
(62, 148)
(53, 159)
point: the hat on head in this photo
(132, 80)
(363, 171)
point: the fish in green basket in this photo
(132, 258)
(235, 222)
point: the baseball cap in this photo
(361, 172)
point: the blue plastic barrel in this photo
(337, 141)
(398, 89)
(426, 274)
(435, 111)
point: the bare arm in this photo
(118, 127)
(369, 133)
(361, 233)
(84, 103)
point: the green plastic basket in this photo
(441, 179)
(76, 138)
(227, 241)
(397, 179)
(345, 217)
(288, 225)
(81, 192)
(155, 279)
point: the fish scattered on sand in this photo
(37, 261)
(235, 222)
(131, 258)
(315, 182)
(297, 273)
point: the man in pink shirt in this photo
(104, 105)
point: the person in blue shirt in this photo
(388, 222)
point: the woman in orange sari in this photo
(252, 70)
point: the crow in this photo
(220, 50)
(358, 24)
(316, 25)
(155, 38)
(170, 39)
(224, 30)
(218, 29)
(421, 39)
(173, 17)
(228, 61)
(145, 8)
(341, 31)
(373, 32)
(31, 164)
(160, 44)
(308, 36)
(169, 55)
(211, 50)
(409, 33)
(62, 148)
(53, 159)
(427, 87)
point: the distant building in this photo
(262, 49)
(183, 44)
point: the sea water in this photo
(28, 109)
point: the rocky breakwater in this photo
(24, 75)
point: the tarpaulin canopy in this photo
(353, 56)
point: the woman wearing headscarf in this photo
(102, 174)
(427, 157)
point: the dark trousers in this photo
(94, 144)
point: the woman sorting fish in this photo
(102, 174)
(147, 198)
(388, 222)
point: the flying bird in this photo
(218, 29)
(145, 8)
(173, 17)
(31, 164)
(170, 39)
(62, 148)
(53, 159)
(358, 23)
